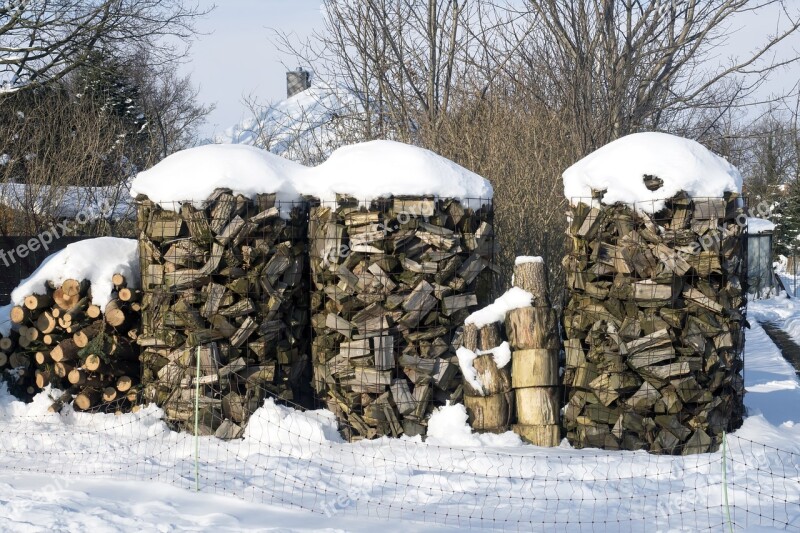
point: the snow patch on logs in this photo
(522, 259)
(514, 298)
(501, 355)
(618, 168)
(95, 260)
(385, 168)
(465, 359)
(194, 174)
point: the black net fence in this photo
(298, 461)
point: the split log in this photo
(230, 278)
(393, 281)
(654, 326)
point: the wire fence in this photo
(297, 460)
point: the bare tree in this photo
(60, 157)
(627, 65)
(517, 90)
(43, 40)
(401, 58)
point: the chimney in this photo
(297, 81)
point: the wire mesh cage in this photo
(654, 323)
(225, 309)
(393, 280)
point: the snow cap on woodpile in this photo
(193, 174)
(384, 168)
(365, 171)
(619, 169)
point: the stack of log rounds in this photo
(65, 341)
(653, 325)
(393, 279)
(225, 281)
(490, 409)
(534, 338)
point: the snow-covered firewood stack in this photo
(401, 248)
(656, 307)
(384, 312)
(225, 279)
(78, 333)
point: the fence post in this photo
(725, 480)
(197, 422)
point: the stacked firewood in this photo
(225, 308)
(392, 283)
(654, 325)
(66, 341)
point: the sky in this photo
(235, 58)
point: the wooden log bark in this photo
(654, 326)
(537, 405)
(548, 435)
(534, 368)
(532, 328)
(234, 286)
(403, 274)
(531, 276)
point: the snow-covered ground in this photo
(80, 472)
(113, 202)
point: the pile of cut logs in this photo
(490, 408)
(527, 391)
(227, 283)
(392, 283)
(654, 325)
(64, 340)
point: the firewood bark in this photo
(229, 278)
(654, 326)
(393, 281)
(531, 276)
